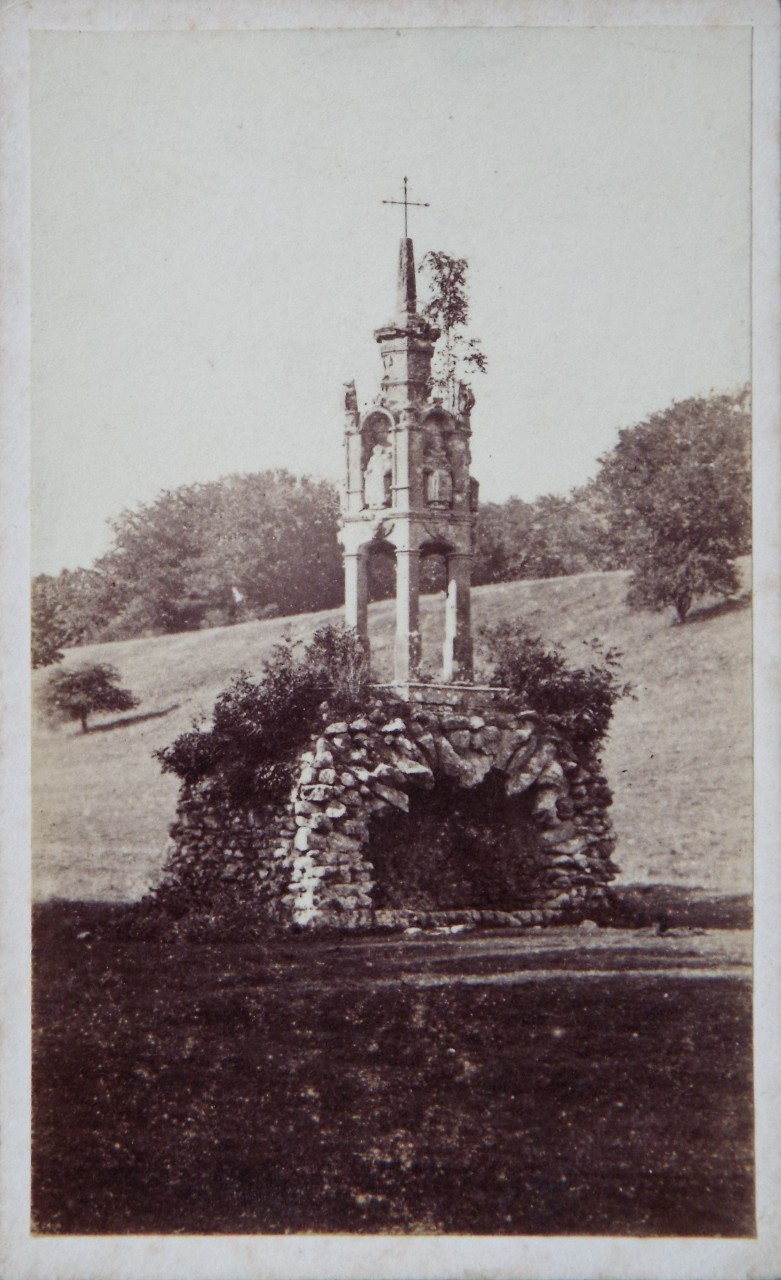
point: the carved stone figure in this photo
(350, 397)
(439, 487)
(377, 478)
(466, 399)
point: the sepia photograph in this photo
(394, 621)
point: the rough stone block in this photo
(427, 744)
(394, 726)
(388, 773)
(545, 804)
(572, 848)
(318, 792)
(414, 770)
(551, 776)
(338, 842)
(354, 827)
(399, 799)
(509, 742)
(557, 836)
(520, 779)
(347, 896)
(456, 721)
(469, 770)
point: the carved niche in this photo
(438, 473)
(377, 477)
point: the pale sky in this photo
(211, 254)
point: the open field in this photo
(679, 757)
(553, 1082)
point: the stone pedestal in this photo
(311, 862)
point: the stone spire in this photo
(407, 301)
(407, 341)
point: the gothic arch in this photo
(376, 428)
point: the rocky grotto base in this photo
(465, 811)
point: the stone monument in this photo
(408, 490)
(437, 803)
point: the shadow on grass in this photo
(637, 906)
(126, 720)
(731, 605)
(171, 1084)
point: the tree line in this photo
(671, 502)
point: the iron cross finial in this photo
(417, 204)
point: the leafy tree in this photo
(579, 699)
(75, 693)
(677, 493)
(457, 357)
(87, 602)
(47, 633)
(257, 726)
(546, 538)
(211, 554)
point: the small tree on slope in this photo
(677, 491)
(75, 693)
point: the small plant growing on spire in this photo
(458, 357)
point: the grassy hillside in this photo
(679, 756)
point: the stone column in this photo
(353, 446)
(356, 592)
(457, 664)
(401, 469)
(407, 615)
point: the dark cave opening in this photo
(456, 848)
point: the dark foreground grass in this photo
(237, 1088)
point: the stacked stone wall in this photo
(308, 862)
(220, 850)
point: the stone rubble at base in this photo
(308, 863)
